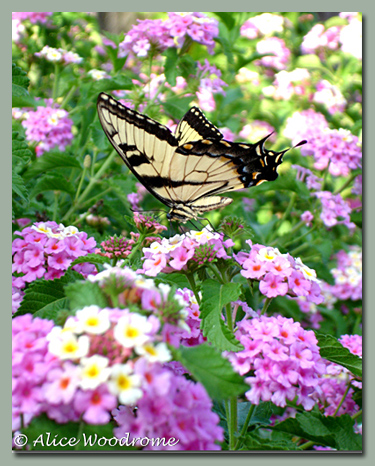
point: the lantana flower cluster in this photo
(172, 406)
(284, 357)
(210, 84)
(172, 32)
(47, 249)
(333, 385)
(265, 24)
(257, 130)
(347, 275)
(279, 274)
(335, 210)
(329, 95)
(48, 126)
(32, 16)
(319, 39)
(288, 83)
(59, 55)
(169, 255)
(339, 150)
(277, 53)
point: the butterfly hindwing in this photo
(194, 126)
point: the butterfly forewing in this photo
(187, 170)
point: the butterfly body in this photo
(189, 169)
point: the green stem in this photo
(55, 205)
(299, 248)
(307, 445)
(134, 249)
(193, 286)
(357, 414)
(300, 237)
(285, 214)
(79, 433)
(80, 183)
(91, 184)
(346, 184)
(228, 312)
(342, 399)
(68, 96)
(267, 302)
(216, 273)
(55, 82)
(232, 422)
(245, 426)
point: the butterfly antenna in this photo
(213, 229)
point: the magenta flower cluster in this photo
(339, 150)
(210, 84)
(135, 198)
(46, 250)
(31, 365)
(32, 16)
(277, 53)
(329, 95)
(172, 32)
(335, 210)
(265, 24)
(284, 357)
(347, 275)
(49, 127)
(169, 255)
(332, 387)
(279, 274)
(172, 406)
(320, 38)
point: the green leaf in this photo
(170, 66)
(214, 297)
(51, 161)
(117, 83)
(20, 83)
(19, 77)
(177, 106)
(187, 65)
(227, 18)
(334, 432)
(91, 258)
(20, 149)
(53, 182)
(332, 350)
(178, 279)
(212, 370)
(309, 61)
(18, 186)
(253, 442)
(45, 434)
(44, 298)
(286, 181)
(84, 293)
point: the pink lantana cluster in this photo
(48, 126)
(284, 357)
(33, 17)
(335, 210)
(135, 198)
(31, 364)
(347, 275)
(289, 83)
(194, 336)
(277, 53)
(148, 225)
(174, 253)
(333, 385)
(319, 38)
(279, 274)
(329, 95)
(339, 150)
(210, 84)
(158, 34)
(257, 130)
(173, 408)
(265, 24)
(59, 55)
(307, 176)
(117, 247)
(46, 250)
